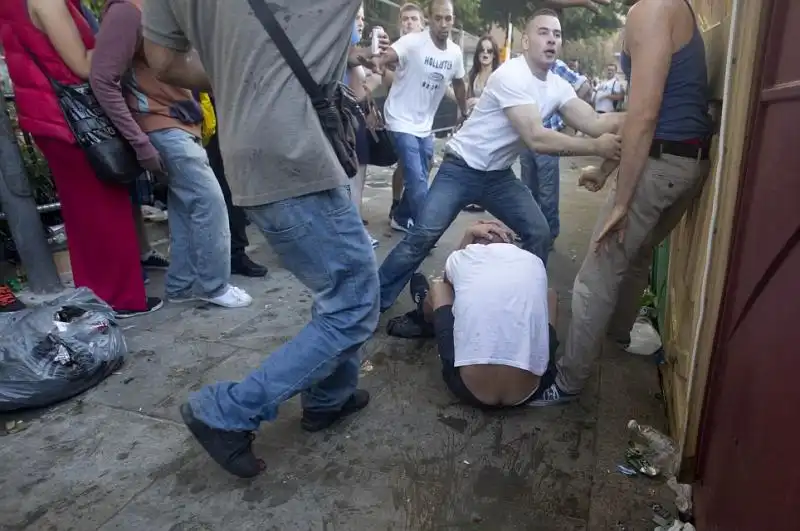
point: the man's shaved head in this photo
(439, 3)
(440, 20)
(541, 42)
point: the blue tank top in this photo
(684, 109)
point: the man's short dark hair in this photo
(541, 12)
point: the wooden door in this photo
(749, 461)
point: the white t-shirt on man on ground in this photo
(420, 82)
(500, 310)
(488, 141)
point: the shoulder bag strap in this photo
(267, 19)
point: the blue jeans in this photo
(414, 155)
(455, 186)
(321, 240)
(200, 236)
(541, 175)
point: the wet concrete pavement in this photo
(118, 457)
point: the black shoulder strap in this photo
(267, 18)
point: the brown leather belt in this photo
(700, 151)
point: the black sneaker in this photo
(8, 301)
(232, 450)
(410, 325)
(153, 304)
(155, 260)
(319, 420)
(242, 265)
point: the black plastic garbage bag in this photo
(57, 350)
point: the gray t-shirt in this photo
(272, 143)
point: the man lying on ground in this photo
(490, 318)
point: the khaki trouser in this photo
(620, 273)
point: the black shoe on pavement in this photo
(153, 304)
(319, 420)
(8, 301)
(242, 265)
(232, 450)
(155, 260)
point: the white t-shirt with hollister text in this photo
(500, 309)
(420, 82)
(487, 141)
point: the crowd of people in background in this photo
(216, 114)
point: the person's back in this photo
(266, 120)
(501, 331)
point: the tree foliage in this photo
(576, 23)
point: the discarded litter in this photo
(645, 340)
(661, 515)
(58, 350)
(636, 459)
(654, 447)
(626, 470)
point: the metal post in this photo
(16, 201)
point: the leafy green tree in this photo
(576, 22)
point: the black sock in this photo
(419, 288)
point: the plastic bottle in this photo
(662, 451)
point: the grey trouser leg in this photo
(665, 191)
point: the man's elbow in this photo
(538, 141)
(158, 58)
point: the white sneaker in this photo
(232, 297)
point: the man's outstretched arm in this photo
(581, 116)
(527, 121)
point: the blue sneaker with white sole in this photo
(552, 396)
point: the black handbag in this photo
(111, 156)
(381, 148)
(334, 102)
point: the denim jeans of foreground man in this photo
(541, 175)
(414, 154)
(455, 186)
(320, 239)
(200, 237)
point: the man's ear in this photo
(526, 42)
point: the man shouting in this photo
(664, 163)
(478, 159)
